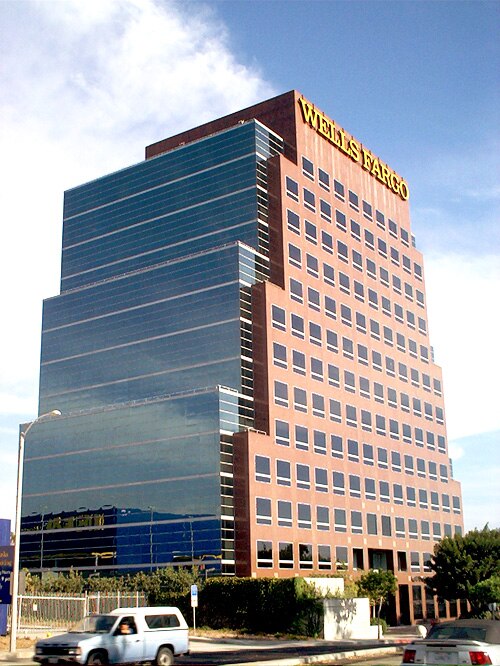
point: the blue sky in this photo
(86, 84)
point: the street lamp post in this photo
(17, 531)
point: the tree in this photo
(378, 586)
(461, 562)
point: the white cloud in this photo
(464, 321)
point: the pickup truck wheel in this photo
(164, 657)
(97, 659)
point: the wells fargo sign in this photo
(350, 147)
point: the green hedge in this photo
(255, 605)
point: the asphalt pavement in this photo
(269, 652)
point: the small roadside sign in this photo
(194, 596)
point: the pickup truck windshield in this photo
(95, 624)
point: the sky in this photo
(85, 85)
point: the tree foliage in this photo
(462, 563)
(378, 586)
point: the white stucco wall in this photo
(347, 618)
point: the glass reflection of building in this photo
(147, 352)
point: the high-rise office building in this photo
(241, 356)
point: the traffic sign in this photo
(194, 596)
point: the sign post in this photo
(194, 604)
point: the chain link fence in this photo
(58, 612)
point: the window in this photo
(412, 528)
(317, 369)
(346, 315)
(309, 199)
(382, 247)
(315, 333)
(294, 255)
(293, 221)
(340, 220)
(421, 468)
(356, 523)
(380, 219)
(298, 362)
(401, 342)
(371, 523)
(349, 381)
(279, 355)
(312, 265)
(339, 190)
(318, 405)
(432, 466)
(443, 473)
(384, 276)
(325, 210)
(395, 461)
(292, 188)
(284, 513)
(262, 469)
(398, 313)
(373, 298)
(386, 526)
(397, 492)
(282, 433)
(337, 446)
(342, 251)
(411, 497)
(434, 501)
(296, 290)
(359, 294)
(322, 518)
(297, 326)
(370, 488)
(369, 239)
(281, 394)
(357, 260)
(414, 560)
(400, 532)
(378, 389)
(436, 531)
(364, 387)
(353, 200)
(307, 168)
(283, 473)
(393, 228)
(324, 557)
(311, 232)
(327, 242)
(425, 530)
(341, 557)
(354, 485)
(301, 438)
(344, 283)
(368, 454)
(330, 307)
(394, 429)
(305, 556)
(313, 298)
(338, 483)
(303, 478)
(264, 554)
(278, 318)
(384, 492)
(386, 306)
(285, 555)
(347, 347)
(353, 450)
(321, 479)
(319, 439)
(382, 458)
(340, 521)
(263, 510)
(408, 464)
(396, 284)
(328, 274)
(304, 516)
(355, 230)
(422, 499)
(380, 424)
(367, 210)
(333, 375)
(324, 179)
(332, 341)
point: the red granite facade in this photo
(348, 466)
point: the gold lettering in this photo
(404, 191)
(375, 171)
(366, 160)
(349, 146)
(309, 112)
(324, 127)
(385, 174)
(354, 150)
(394, 183)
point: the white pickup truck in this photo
(124, 636)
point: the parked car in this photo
(462, 642)
(124, 636)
